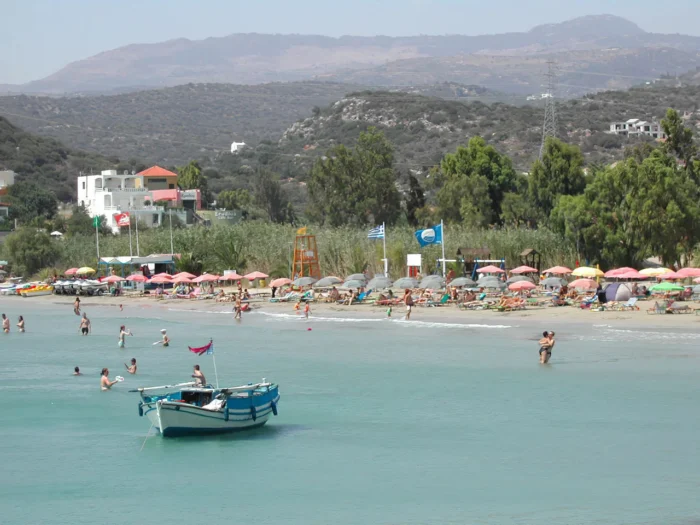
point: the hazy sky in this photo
(41, 36)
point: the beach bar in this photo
(163, 263)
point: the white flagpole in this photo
(96, 220)
(172, 250)
(138, 252)
(131, 249)
(442, 234)
(386, 262)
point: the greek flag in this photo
(376, 233)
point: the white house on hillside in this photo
(110, 194)
(237, 146)
(635, 127)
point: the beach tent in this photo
(620, 292)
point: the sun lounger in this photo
(658, 308)
(631, 304)
(679, 309)
(291, 296)
(443, 301)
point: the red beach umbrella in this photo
(137, 278)
(632, 274)
(584, 284)
(615, 272)
(689, 272)
(280, 282)
(186, 275)
(521, 285)
(113, 279)
(559, 270)
(70, 271)
(669, 276)
(161, 279)
(523, 269)
(490, 269)
(259, 275)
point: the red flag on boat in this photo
(208, 349)
(122, 219)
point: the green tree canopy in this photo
(271, 197)
(414, 200)
(80, 223)
(473, 182)
(356, 187)
(29, 201)
(234, 199)
(30, 249)
(191, 177)
(560, 172)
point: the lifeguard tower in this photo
(305, 261)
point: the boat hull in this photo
(37, 293)
(173, 419)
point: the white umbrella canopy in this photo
(331, 280)
(354, 284)
(304, 281)
(379, 282)
(406, 282)
(356, 277)
(435, 282)
(461, 282)
(553, 282)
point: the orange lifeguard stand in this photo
(305, 257)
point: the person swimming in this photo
(76, 371)
(131, 369)
(5, 324)
(123, 332)
(20, 324)
(85, 325)
(105, 383)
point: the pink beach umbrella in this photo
(162, 274)
(523, 269)
(137, 278)
(207, 277)
(113, 279)
(490, 269)
(232, 276)
(280, 282)
(259, 275)
(519, 286)
(669, 276)
(70, 271)
(186, 275)
(631, 274)
(617, 271)
(689, 272)
(558, 270)
(161, 279)
(181, 280)
(584, 284)
(696, 280)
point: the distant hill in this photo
(261, 58)
(46, 160)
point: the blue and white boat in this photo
(190, 409)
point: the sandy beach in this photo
(537, 316)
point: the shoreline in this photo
(540, 317)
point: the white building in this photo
(110, 194)
(635, 127)
(7, 178)
(237, 146)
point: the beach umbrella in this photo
(356, 277)
(615, 272)
(85, 270)
(181, 280)
(553, 282)
(114, 279)
(282, 281)
(654, 272)
(256, 275)
(558, 270)
(56, 234)
(521, 285)
(518, 278)
(689, 272)
(379, 283)
(491, 282)
(523, 269)
(186, 275)
(326, 282)
(490, 269)
(587, 271)
(669, 276)
(406, 282)
(584, 284)
(632, 274)
(207, 278)
(70, 271)
(160, 279)
(461, 282)
(434, 282)
(304, 281)
(354, 283)
(137, 278)
(666, 287)
(231, 276)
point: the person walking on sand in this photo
(20, 324)
(85, 325)
(5, 324)
(408, 301)
(123, 332)
(105, 383)
(131, 368)
(76, 306)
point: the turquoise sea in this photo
(380, 422)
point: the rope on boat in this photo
(147, 436)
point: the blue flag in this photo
(429, 236)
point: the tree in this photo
(30, 250)
(80, 223)
(560, 172)
(414, 201)
(356, 187)
(29, 201)
(517, 211)
(473, 182)
(190, 177)
(679, 139)
(270, 196)
(234, 199)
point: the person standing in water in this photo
(20, 324)
(546, 344)
(199, 378)
(408, 301)
(123, 332)
(5, 324)
(76, 371)
(166, 340)
(238, 307)
(307, 309)
(550, 336)
(76, 306)
(131, 369)
(85, 325)
(105, 383)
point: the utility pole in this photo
(549, 128)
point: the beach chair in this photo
(631, 304)
(679, 309)
(362, 297)
(291, 296)
(658, 308)
(442, 302)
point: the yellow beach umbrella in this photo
(85, 270)
(654, 272)
(587, 271)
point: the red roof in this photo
(157, 171)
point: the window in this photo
(83, 184)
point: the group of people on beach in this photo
(6, 324)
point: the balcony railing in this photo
(116, 190)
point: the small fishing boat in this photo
(36, 290)
(190, 409)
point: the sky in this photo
(41, 36)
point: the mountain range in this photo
(595, 52)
